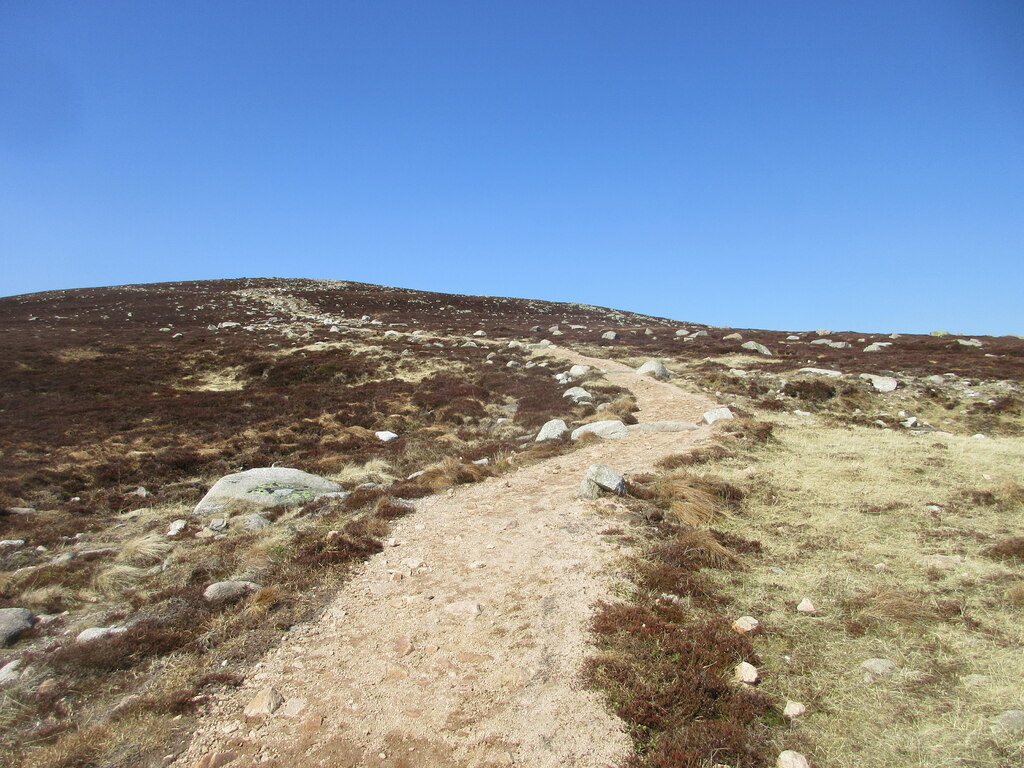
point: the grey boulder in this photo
(754, 346)
(881, 383)
(555, 429)
(265, 488)
(577, 394)
(654, 368)
(14, 621)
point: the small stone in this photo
(879, 667)
(794, 709)
(716, 414)
(255, 522)
(733, 337)
(228, 591)
(218, 524)
(402, 646)
(293, 707)
(791, 759)
(9, 672)
(555, 429)
(48, 687)
(264, 703)
(98, 633)
(746, 673)
(806, 606)
(463, 609)
(607, 479)
(943, 562)
(385, 436)
(610, 335)
(1010, 721)
(176, 527)
(745, 624)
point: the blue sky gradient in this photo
(782, 165)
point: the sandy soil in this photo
(460, 645)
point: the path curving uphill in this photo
(462, 644)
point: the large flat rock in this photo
(264, 488)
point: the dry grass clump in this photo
(702, 455)
(688, 499)
(451, 472)
(1011, 549)
(888, 606)
(809, 390)
(375, 470)
(147, 549)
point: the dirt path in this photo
(461, 645)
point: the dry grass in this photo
(854, 519)
(372, 471)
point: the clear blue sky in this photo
(785, 165)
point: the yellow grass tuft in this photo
(148, 549)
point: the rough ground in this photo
(399, 672)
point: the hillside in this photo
(877, 475)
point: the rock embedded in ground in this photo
(14, 621)
(943, 562)
(610, 335)
(176, 527)
(822, 372)
(9, 672)
(662, 426)
(555, 429)
(385, 436)
(881, 383)
(607, 479)
(654, 368)
(879, 667)
(733, 337)
(463, 609)
(746, 673)
(264, 703)
(745, 625)
(578, 371)
(608, 430)
(791, 759)
(255, 522)
(1010, 721)
(716, 414)
(98, 633)
(228, 591)
(754, 346)
(262, 488)
(577, 394)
